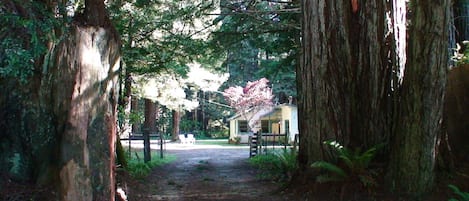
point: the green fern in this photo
(355, 165)
(463, 196)
(337, 173)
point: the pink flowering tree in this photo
(252, 102)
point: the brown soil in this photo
(220, 173)
(224, 173)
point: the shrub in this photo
(463, 196)
(138, 169)
(276, 165)
(355, 165)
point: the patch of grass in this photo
(138, 169)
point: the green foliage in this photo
(463, 196)
(188, 125)
(337, 173)
(24, 38)
(354, 166)
(134, 117)
(276, 165)
(138, 169)
(261, 39)
(152, 41)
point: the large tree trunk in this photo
(149, 126)
(88, 65)
(135, 110)
(176, 122)
(343, 77)
(64, 118)
(455, 115)
(420, 109)
(88, 61)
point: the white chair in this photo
(190, 138)
(182, 139)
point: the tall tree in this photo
(70, 92)
(149, 126)
(420, 109)
(348, 90)
(260, 39)
(343, 79)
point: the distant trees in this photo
(260, 39)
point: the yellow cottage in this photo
(283, 119)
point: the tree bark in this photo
(89, 63)
(421, 100)
(343, 77)
(456, 120)
(85, 86)
(135, 109)
(65, 116)
(149, 126)
(176, 122)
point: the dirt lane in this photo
(205, 173)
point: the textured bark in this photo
(149, 126)
(343, 77)
(88, 63)
(176, 122)
(455, 112)
(135, 109)
(421, 104)
(65, 117)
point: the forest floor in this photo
(222, 172)
(207, 171)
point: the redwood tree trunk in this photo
(420, 109)
(176, 121)
(88, 140)
(135, 109)
(343, 77)
(86, 84)
(65, 116)
(149, 126)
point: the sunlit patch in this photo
(121, 194)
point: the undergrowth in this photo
(354, 165)
(138, 169)
(462, 196)
(277, 165)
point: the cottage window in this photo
(265, 126)
(243, 126)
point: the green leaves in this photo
(23, 39)
(463, 196)
(260, 41)
(335, 172)
(276, 165)
(161, 35)
(355, 165)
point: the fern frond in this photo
(330, 168)
(328, 178)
